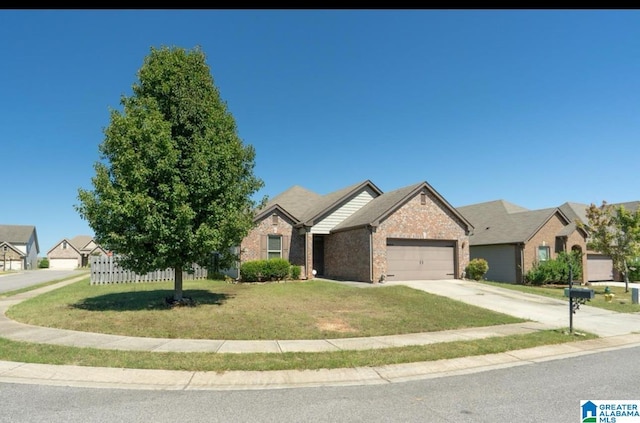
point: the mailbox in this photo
(585, 293)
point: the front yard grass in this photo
(620, 303)
(291, 310)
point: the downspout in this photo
(371, 280)
(521, 246)
(307, 271)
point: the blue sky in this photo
(536, 107)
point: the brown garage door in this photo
(599, 267)
(415, 259)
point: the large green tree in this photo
(174, 181)
(615, 231)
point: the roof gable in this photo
(306, 208)
(69, 243)
(331, 201)
(11, 247)
(383, 206)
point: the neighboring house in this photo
(73, 253)
(599, 266)
(18, 247)
(360, 233)
(513, 239)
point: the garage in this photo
(63, 263)
(417, 259)
(599, 267)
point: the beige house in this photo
(73, 253)
(360, 233)
(512, 238)
(18, 247)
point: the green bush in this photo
(251, 271)
(276, 269)
(295, 272)
(265, 270)
(43, 263)
(477, 268)
(634, 270)
(556, 270)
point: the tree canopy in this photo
(174, 181)
(615, 231)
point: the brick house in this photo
(360, 233)
(599, 266)
(73, 253)
(513, 239)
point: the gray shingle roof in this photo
(579, 210)
(295, 200)
(500, 222)
(575, 211)
(18, 234)
(80, 241)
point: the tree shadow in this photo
(148, 300)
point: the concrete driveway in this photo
(26, 278)
(549, 311)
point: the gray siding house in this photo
(18, 247)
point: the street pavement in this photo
(616, 330)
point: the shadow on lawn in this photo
(147, 300)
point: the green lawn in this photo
(292, 310)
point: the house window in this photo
(543, 253)
(274, 246)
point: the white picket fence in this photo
(106, 270)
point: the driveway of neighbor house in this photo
(549, 311)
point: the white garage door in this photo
(414, 259)
(66, 264)
(599, 268)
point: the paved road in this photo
(25, 278)
(542, 391)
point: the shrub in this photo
(276, 269)
(43, 263)
(295, 272)
(265, 270)
(251, 271)
(556, 270)
(477, 268)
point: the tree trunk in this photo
(626, 277)
(177, 290)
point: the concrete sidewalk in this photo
(617, 331)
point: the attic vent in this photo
(423, 198)
(274, 219)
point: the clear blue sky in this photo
(536, 107)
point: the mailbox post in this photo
(576, 296)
